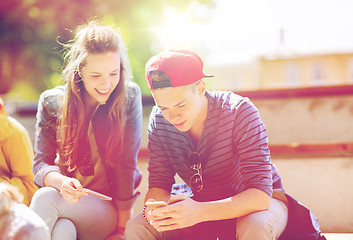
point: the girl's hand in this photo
(181, 212)
(72, 190)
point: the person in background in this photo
(218, 145)
(16, 155)
(18, 221)
(88, 135)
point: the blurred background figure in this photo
(16, 155)
(17, 221)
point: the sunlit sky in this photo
(238, 31)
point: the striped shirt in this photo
(233, 148)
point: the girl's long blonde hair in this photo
(109, 120)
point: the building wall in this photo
(308, 120)
(303, 71)
(284, 71)
(241, 76)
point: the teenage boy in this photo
(217, 143)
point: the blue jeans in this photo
(90, 218)
(267, 225)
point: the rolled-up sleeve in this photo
(127, 171)
(251, 143)
(45, 145)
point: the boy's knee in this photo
(130, 225)
(138, 228)
(253, 226)
(134, 223)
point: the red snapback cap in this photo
(183, 67)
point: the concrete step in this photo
(338, 236)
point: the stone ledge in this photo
(338, 236)
(299, 150)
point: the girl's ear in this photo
(77, 78)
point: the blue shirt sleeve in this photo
(45, 145)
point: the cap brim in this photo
(207, 76)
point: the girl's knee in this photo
(44, 196)
(64, 229)
(45, 193)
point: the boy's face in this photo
(180, 106)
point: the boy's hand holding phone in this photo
(150, 205)
(155, 204)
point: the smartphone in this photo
(156, 204)
(97, 194)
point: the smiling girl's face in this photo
(101, 75)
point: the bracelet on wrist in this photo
(144, 214)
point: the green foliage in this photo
(31, 56)
(24, 91)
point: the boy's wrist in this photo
(204, 212)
